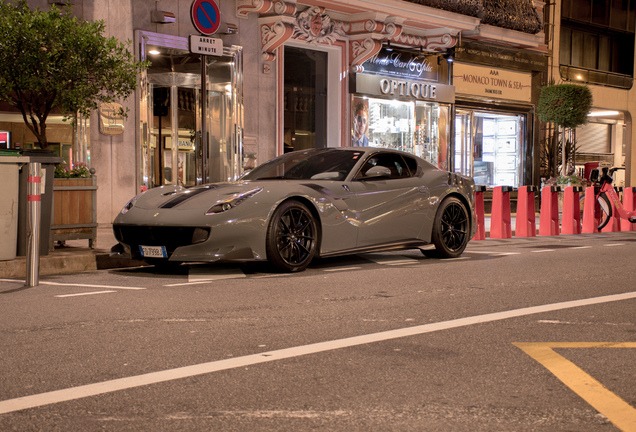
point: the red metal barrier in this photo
(629, 204)
(571, 217)
(500, 227)
(549, 218)
(526, 221)
(590, 218)
(480, 213)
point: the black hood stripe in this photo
(184, 196)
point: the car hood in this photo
(197, 197)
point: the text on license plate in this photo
(153, 251)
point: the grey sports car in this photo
(302, 205)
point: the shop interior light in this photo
(603, 113)
(154, 52)
(449, 55)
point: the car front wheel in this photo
(451, 228)
(291, 237)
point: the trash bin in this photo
(49, 161)
(10, 162)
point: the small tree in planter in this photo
(566, 106)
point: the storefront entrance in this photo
(489, 146)
(177, 147)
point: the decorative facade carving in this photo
(315, 26)
(244, 7)
(274, 34)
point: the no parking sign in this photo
(206, 16)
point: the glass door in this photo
(186, 140)
(489, 146)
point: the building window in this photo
(597, 41)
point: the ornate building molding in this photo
(279, 21)
(315, 26)
(275, 31)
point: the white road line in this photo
(543, 250)
(492, 253)
(199, 274)
(77, 285)
(342, 269)
(73, 393)
(581, 247)
(84, 294)
(614, 244)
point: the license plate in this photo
(153, 251)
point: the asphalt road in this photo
(516, 335)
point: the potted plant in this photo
(74, 204)
(565, 106)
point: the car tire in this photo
(292, 237)
(451, 228)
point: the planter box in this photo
(75, 210)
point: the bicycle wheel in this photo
(606, 210)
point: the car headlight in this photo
(130, 204)
(233, 201)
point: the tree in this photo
(53, 61)
(567, 106)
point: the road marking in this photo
(84, 294)
(581, 247)
(614, 244)
(197, 274)
(342, 269)
(72, 393)
(493, 253)
(593, 392)
(65, 284)
(543, 250)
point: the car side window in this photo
(394, 162)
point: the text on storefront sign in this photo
(408, 89)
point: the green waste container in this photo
(49, 161)
(10, 163)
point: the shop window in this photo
(497, 149)
(420, 128)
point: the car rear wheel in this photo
(451, 228)
(291, 237)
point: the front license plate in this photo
(153, 251)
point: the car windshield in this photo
(307, 165)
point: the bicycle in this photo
(606, 198)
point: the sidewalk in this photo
(76, 257)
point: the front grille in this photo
(170, 237)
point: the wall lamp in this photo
(387, 46)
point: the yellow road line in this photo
(619, 412)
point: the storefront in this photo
(398, 101)
(493, 125)
(496, 129)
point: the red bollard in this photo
(629, 204)
(549, 218)
(590, 219)
(480, 213)
(526, 221)
(571, 218)
(614, 224)
(500, 227)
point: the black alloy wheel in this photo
(291, 237)
(451, 228)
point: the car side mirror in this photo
(377, 172)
